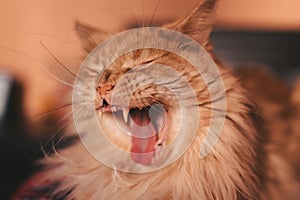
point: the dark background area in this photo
(22, 143)
(278, 51)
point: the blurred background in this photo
(265, 33)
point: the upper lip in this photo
(115, 108)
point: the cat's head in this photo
(148, 116)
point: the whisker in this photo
(57, 154)
(42, 149)
(58, 130)
(57, 142)
(54, 146)
(154, 12)
(60, 63)
(42, 144)
(37, 61)
(143, 13)
(66, 41)
(39, 116)
(51, 140)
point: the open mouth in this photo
(145, 126)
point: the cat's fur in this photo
(246, 163)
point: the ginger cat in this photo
(245, 163)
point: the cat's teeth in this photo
(125, 112)
(113, 109)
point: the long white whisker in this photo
(56, 109)
(59, 129)
(52, 139)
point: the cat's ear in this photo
(198, 24)
(89, 36)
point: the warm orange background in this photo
(24, 23)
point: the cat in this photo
(245, 163)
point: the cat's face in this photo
(151, 118)
(140, 104)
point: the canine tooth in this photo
(125, 112)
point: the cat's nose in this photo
(105, 92)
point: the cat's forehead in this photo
(137, 57)
(128, 62)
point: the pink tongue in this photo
(143, 137)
